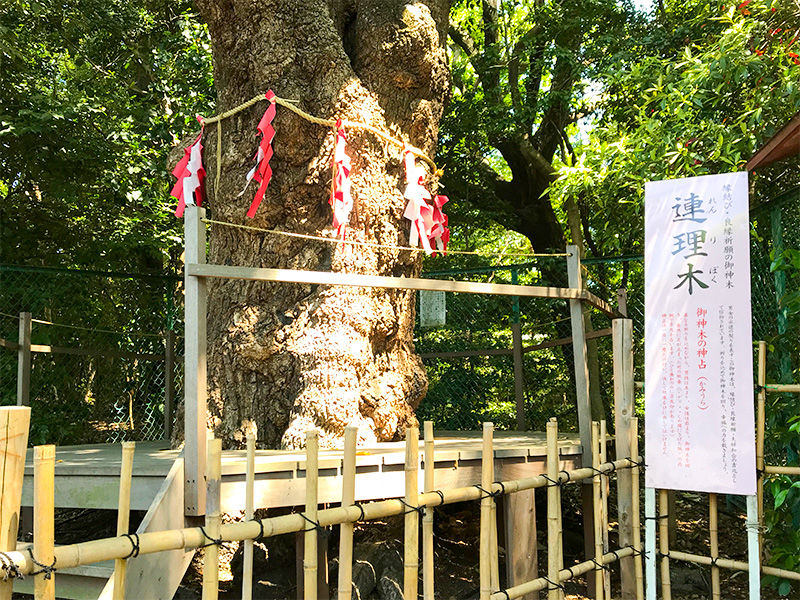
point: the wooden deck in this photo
(87, 476)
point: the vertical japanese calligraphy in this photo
(698, 351)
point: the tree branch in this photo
(513, 73)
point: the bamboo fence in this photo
(763, 470)
(49, 559)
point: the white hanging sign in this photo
(699, 433)
(432, 308)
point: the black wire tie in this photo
(10, 568)
(556, 586)
(317, 526)
(552, 483)
(601, 566)
(48, 570)
(491, 494)
(217, 542)
(441, 495)
(567, 473)
(363, 517)
(133, 538)
(260, 535)
(420, 510)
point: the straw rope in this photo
(319, 238)
(290, 104)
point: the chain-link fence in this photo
(99, 347)
(467, 350)
(465, 390)
(103, 378)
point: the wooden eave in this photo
(784, 144)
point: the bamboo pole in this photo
(606, 575)
(781, 470)
(310, 545)
(735, 565)
(792, 388)
(213, 520)
(411, 552)
(596, 502)
(487, 463)
(760, 423)
(573, 572)
(714, 545)
(14, 423)
(123, 515)
(494, 566)
(663, 543)
(249, 513)
(553, 511)
(44, 461)
(427, 520)
(635, 510)
(84, 553)
(348, 499)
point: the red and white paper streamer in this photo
(191, 175)
(262, 172)
(341, 199)
(419, 212)
(439, 232)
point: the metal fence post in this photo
(519, 373)
(24, 360)
(169, 382)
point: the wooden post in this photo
(760, 423)
(487, 464)
(14, 423)
(596, 504)
(310, 541)
(24, 360)
(519, 375)
(169, 382)
(44, 462)
(249, 513)
(604, 489)
(553, 512)
(582, 398)
(427, 520)
(213, 521)
(195, 371)
(348, 499)
(663, 543)
(579, 351)
(622, 301)
(123, 515)
(714, 544)
(522, 560)
(622, 331)
(411, 553)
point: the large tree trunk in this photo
(293, 357)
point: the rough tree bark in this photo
(293, 357)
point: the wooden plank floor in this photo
(87, 476)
